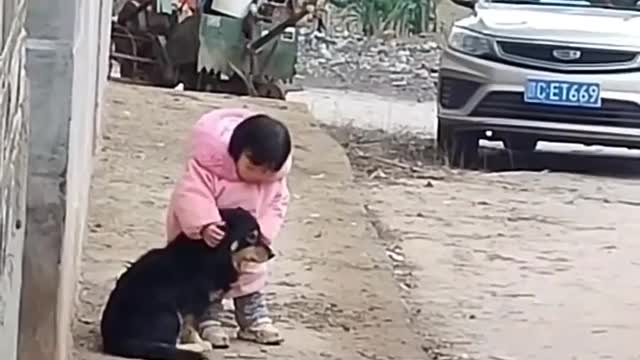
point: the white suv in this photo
(524, 71)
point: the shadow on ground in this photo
(405, 153)
(587, 162)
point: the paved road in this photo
(526, 264)
(522, 265)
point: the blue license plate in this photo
(563, 93)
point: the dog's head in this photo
(244, 239)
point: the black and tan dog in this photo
(149, 314)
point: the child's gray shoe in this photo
(213, 332)
(262, 332)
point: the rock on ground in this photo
(331, 291)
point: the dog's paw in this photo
(195, 347)
(207, 346)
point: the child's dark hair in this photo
(264, 139)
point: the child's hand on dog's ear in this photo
(213, 234)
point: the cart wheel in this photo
(163, 73)
(271, 90)
(232, 86)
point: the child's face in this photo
(249, 172)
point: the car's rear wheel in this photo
(458, 148)
(524, 143)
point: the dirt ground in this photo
(332, 290)
(535, 258)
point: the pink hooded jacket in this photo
(210, 182)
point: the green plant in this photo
(376, 16)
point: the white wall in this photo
(13, 169)
(66, 64)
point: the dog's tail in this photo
(138, 349)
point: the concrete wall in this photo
(13, 169)
(66, 66)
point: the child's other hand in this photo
(213, 234)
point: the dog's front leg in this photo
(199, 348)
(190, 336)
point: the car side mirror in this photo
(469, 4)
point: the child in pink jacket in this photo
(237, 159)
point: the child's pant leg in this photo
(250, 309)
(213, 313)
(210, 326)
